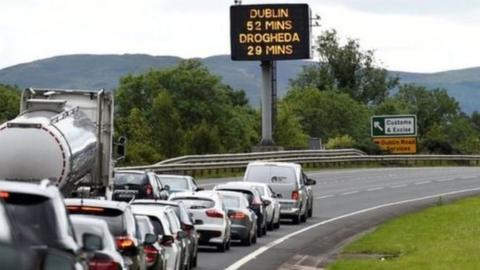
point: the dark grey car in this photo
(244, 220)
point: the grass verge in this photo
(443, 237)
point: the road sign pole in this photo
(267, 91)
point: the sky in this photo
(407, 35)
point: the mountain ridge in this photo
(104, 71)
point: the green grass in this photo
(445, 237)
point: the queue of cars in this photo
(150, 222)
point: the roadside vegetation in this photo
(442, 237)
(187, 110)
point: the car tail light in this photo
(151, 254)
(295, 195)
(148, 190)
(102, 263)
(4, 195)
(214, 213)
(124, 242)
(237, 215)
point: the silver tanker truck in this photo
(62, 135)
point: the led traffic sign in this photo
(270, 32)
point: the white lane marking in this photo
(423, 183)
(375, 188)
(351, 192)
(399, 186)
(445, 180)
(324, 197)
(270, 245)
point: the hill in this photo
(104, 71)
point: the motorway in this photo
(347, 202)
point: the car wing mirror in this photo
(150, 238)
(278, 195)
(199, 189)
(266, 202)
(311, 182)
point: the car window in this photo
(35, 218)
(113, 217)
(260, 189)
(130, 179)
(154, 182)
(175, 183)
(196, 203)
(157, 225)
(231, 201)
(271, 174)
(194, 183)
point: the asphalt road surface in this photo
(347, 202)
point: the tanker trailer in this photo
(61, 135)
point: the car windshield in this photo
(196, 203)
(130, 179)
(35, 218)
(113, 217)
(271, 174)
(175, 184)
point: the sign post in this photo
(268, 33)
(395, 133)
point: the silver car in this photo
(273, 208)
(288, 180)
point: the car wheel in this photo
(277, 225)
(296, 219)
(229, 243)
(187, 266)
(270, 225)
(310, 211)
(193, 262)
(222, 247)
(247, 241)
(303, 218)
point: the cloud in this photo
(412, 7)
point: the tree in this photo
(431, 106)
(9, 102)
(167, 127)
(140, 149)
(288, 131)
(181, 104)
(327, 114)
(203, 139)
(347, 69)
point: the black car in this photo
(129, 185)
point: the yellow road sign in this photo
(406, 145)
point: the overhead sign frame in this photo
(393, 126)
(270, 32)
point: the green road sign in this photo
(394, 126)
